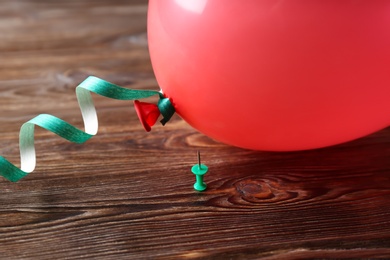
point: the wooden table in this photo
(127, 194)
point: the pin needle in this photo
(200, 166)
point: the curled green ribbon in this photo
(68, 131)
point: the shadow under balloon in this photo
(247, 178)
(340, 194)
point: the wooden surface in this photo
(127, 194)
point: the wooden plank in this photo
(127, 194)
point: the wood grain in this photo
(127, 194)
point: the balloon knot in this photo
(148, 113)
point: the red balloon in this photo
(274, 75)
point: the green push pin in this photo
(199, 170)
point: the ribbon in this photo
(68, 131)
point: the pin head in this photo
(199, 169)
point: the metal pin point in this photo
(200, 166)
(199, 170)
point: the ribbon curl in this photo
(68, 131)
